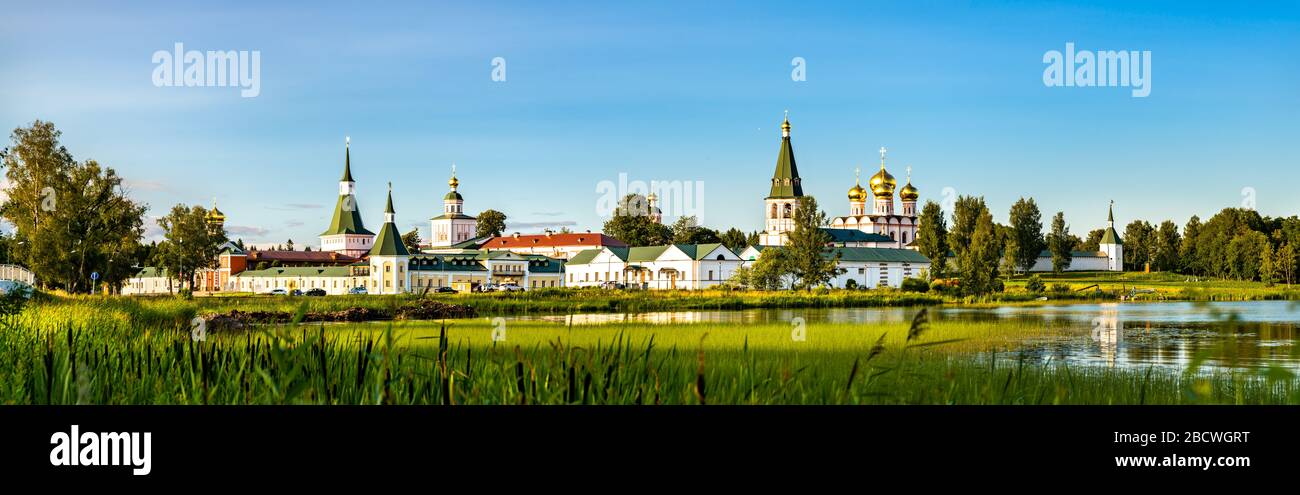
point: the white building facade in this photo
(673, 266)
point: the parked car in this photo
(316, 292)
(278, 292)
(445, 290)
(360, 289)
(487, 288)
(611, 285)
(295, 292)
(509, 287)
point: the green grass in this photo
(548, 363)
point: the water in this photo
(1222, 335)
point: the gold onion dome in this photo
(882, 184)
(909, 192)
(453, 182)
(856, 193)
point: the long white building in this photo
(673, 266)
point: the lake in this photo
(1172, 335)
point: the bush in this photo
(1059, 287)
(1035, 284)
(853, 284)
(915, 285)
(999, 286)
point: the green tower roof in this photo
(1111, 237)
(785, 181)
(347, 216)
(389, 242)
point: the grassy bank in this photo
(547, 363)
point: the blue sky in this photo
(671, 91)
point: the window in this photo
(710, 274)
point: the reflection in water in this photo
(1252, 334)
(1108, 332)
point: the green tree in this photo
(188, 245)
(630, 224)
(932, 238)
(1286, 263)
(686, 230)
(979, 261)
(491, 223)
(965, 215)
(288, 246)
(1187, 256)
(1093, 243)
(806, 245)
(1059, 242)
(1267, 269)
(1167, 245)
(752, 239)
(71, 219)
(734, 239)
(1027, 230)
(412, 240)
(1139, 244)
(770, 271)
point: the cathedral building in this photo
(881, 218)
(877, 226)
(453, 226)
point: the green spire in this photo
(347, 216)
(1111, 236)
(347, 160)
(388, 242)
(785, 181)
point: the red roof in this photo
(594, 239)
(301, 257)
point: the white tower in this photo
(346, 233)
(787, 188)
(882, 187)
(389, 257)
(1111, 244)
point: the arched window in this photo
(773, 216)
(785, 213)
(904, 237)
(721, 257)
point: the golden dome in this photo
(909, 192)
(453, 182)
(882, 184)
(857, 194)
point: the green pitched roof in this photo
(583, 257)
(389, 242)
(854, 235)
(698, 251)
(882, 255)
(1111, 237)
(347, 218)
(785, 181)
(445, 216)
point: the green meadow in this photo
(124, 351)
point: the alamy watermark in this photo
(671, 197)
(193, 68)
(1110, 68)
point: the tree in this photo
(978, 262)
(1267, 269)
(1093, 243)
(1286, 263)
(1187, 256)
(491, 223)
(288, 246)
(71, 219)
(734, 239)
(1139, 237)
(686, 230)
(240, 243)
(752, 239)
(770, 270)
(189, 244)
(412, 240)
(1168, 243)
(1027, 229)
(1059, 242)
(965, 215)
(630, 224)
(932, 238)
(806, 245)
